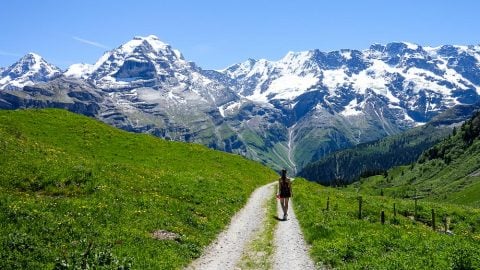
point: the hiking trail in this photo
(290, 249)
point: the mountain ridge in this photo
(283, 113)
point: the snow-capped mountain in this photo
(143, 85)
(417, 81)
(142, 60)
(337, 99)
(283, 113)
(30, 69)
(148, 62)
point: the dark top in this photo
(285, 188)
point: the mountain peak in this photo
(28, 70)
(149, 37)
(298, 57)
(32, 55)
(138, 60)
(31, 59)
(400, 46)
(147, 43)
(411, 46)
(397, 45)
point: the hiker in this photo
(284, 192)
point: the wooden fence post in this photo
(328, 203)
(433, 219)
(382, 217)
(415, 214)
(360, 201)
(394, 211)
(446, 223)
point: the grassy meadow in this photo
(340, 240)
(76, 193)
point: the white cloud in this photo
(4, 53)
(92, 43)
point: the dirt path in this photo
(291, 251)
(226, 250)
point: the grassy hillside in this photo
(448, 171)
(75, 192)
(340, 240)
(346, 166)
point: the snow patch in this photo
(332, 79)
(5, 80)
(411, 46)
(222, 111)
(102, 60)
(131, 45)
(294, 62)
(79, 71)
(229, 107)
(415, 78)
(178, 54)
(461, 48)
(289, 86)
(347, 54)
(351, 109)
(375, 78)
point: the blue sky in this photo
(216, 34)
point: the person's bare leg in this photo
(286, 205)
(282, 203)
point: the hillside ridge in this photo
(72, 183)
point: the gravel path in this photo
(226, 250)
(291, 251)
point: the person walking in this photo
(284, 192)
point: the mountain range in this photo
(283, 113)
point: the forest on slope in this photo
(349, 165)
(448, 171)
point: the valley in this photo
(388, 124)
(157, 135)
(346, 166)
(446, 172)
(312, 103)
(111, 198)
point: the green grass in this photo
(340, 240)
(434, 179)
(469, 196)
(74, 191)
(253, 139)
(447, 172)
(347, 166)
